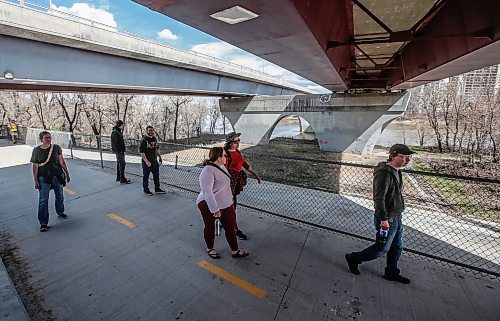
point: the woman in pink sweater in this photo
(216, 202)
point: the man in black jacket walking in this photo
(389, 206)
(118, 147)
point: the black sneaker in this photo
(43, 228)
(353, 266)
(241, 236)
(397, 278)
(127, 181)
(62, 216)
(159, 191)
(148, 192)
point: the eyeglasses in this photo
(405, 157)
(235, 141)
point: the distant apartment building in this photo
(478, 84)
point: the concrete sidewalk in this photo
(94, 267)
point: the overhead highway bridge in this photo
(47, 50)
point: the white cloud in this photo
(90, 12)
(166, 34)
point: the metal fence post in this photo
(176, 160)
(99, 145)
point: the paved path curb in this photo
(11, 306)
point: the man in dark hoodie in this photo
(151, 159)
(389, 206)
(118, 147)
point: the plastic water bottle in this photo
(383, 233)
(218, 226)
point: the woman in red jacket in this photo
(235, 163)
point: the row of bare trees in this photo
(458, 121)
(173, 117)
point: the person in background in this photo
(151, 160)
(215, 201)
(235, 163)
(389, 206)
(48, 162)
(13, 131)
(118, 148)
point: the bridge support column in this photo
(348, 123)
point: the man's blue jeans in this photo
(393, 247)
(155, 169)
(43, 199)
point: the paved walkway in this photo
(126, 256)
(468, 241)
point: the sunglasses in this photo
(235, 141)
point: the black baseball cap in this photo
(400, 149)
(118, 123)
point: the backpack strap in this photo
(48, 157)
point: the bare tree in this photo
(71, 107)
(122, 105)
(161, 106)
(421, 131)
(431, 104)
(194, 117)
(43, 103)
(177, 102)
(4, 111)
(214, 114)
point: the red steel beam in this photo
(330, 19)
(458, 28)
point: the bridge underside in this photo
(42, 66)
(340, 122)
(355, 44)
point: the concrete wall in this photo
(348, 123)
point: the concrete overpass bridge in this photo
(47, 50)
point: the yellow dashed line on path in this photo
(115, 217)
(67, 190)
(233, 279)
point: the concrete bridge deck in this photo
(92, 267)
(36, 41)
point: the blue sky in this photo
(137, 19)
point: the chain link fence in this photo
(451, 219)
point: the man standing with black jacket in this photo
(118, 147)
(389, 206)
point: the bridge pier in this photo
(349, 123)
